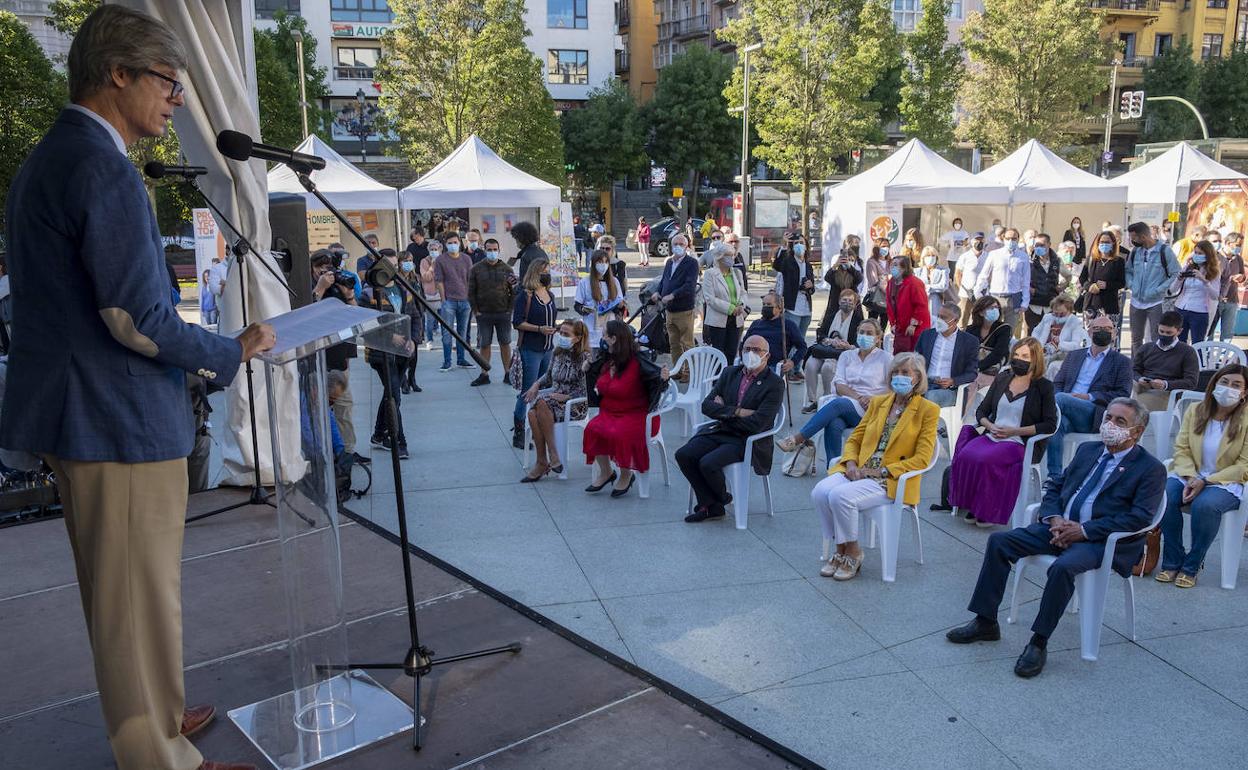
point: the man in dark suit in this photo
(1088, 380)
(677, 289)
(1113, 486)
(743, 402)
(952, 356)
(96, 379)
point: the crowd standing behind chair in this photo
(1195, 291)
(1102, 277)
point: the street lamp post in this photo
(1109, 116)
(359, 120)
(303, 92)
(745, 137)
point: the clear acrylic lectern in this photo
(329, 710)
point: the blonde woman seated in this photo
(562, 382)
(896, 435)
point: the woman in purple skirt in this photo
(987, 463)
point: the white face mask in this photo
(1114, 435)
(601, 268)
(1226, 396)
(752, 360)
(941, 326)
(562, 342)
(678, 250)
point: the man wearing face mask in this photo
(676, 290)
(1231, 277)
(451, 274)
(1086, 383)
(785, 343)
(338, 254)
(491, 297)
(1046, 276)
(1165, 365)
(966, 274)
(1150, 268)
(996, 241)
(473, 246)
(952, 356)
(1110, 486)
(744, 401)
(1006, 275)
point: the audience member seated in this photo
(1086, 383)
(1110, 486)
(952, 356)
(784, 339)
(625, 386)
(1209, 473)
(860, 376)
(1165, 365)
(836, 334)
(743, 402)
(1060, 331)
(993, 335)
(897, 435)
(563, 381)
(986, 471)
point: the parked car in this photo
(661, 233)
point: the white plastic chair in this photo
(1038, 468)
(738, 476)
(705, 365)
(667, 402)
(1214, 355)
(1232, 534)
(1072, 442)
(1091, 587)
(1165, 423)
(561, 432)
(887, 518)
(951, 418)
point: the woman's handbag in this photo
(515, 371)
(802, 462)
(1151, 555)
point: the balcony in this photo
(1127, 7)
(621, 62)
(1136, 62)
(354, 73)
(622, 18)
(685, 29)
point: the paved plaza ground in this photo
(855, 673)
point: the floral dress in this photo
(565, 376)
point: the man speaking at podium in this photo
(96, 383)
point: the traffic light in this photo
(1137, 104)
(1124, 106)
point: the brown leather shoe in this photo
(196, 718)
(210, 765)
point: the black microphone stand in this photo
(419, 660)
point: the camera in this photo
(343, 278)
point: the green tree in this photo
(811, 89)
(604, 140)
(1035, 85)
(1223, 94)
(31, 95)
(931, 79)
(66, 16)
(277, 83)
(1173, 73)
(452, 68)
(691, 130)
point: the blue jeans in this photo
(833, 418)
(534, 365)
(456, 312)
(1077, 414)
(431, 324)
(942, 396)
(1194, 326)
(1207, 509)
(1225, 316)
(802, 322)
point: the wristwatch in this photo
(883, 472)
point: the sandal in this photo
(1166, 576)
(834, 564)
(787, 444)
(1185, 580)
(849, 568)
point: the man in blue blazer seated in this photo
(1088, 380)
(952, 356)
(1111, 486)
(96, 381)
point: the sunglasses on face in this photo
(176, 88)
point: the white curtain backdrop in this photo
(221, 94)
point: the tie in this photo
(1088, 488)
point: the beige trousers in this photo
(679, 334)
(125, 525)
(343, 406)
(1152, 399)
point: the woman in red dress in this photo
(905, 296)
(625, 386)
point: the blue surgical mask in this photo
(895, 272)
(407, 265)
(562, 342)
(884, 251)
(1198, 257)
(902, 384)
(491, 254)
(452, 248)
(1105, 248)
(992, 314)
(678, 251)
(866, 341)
(799, 249)
(1011, 244)
(1040, 251)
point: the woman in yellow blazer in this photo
(896, 435)
(1210, 469)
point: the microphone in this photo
(157, 170)
(239, 146)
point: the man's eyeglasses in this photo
(760, 351)
(176, 88)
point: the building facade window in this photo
(567, 14)
(360, 10)
(1162, 43)
(567, 67)
(266, 8)
(1215, 3)
(955, 10)
(356, 62)
(906, 14)
(1241, 24)
(1211, 46)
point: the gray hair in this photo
(952, 307)
(114, 36)
(915, 364)
(1141, 414)
(682, 237)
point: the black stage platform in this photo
(561, 703)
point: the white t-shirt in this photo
(868, 378)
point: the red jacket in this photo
(910, 304)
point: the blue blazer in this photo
(96, 367)
(1126, 503)
(1112, 380)
(965, 365)
(681, 283)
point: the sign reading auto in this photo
(359, 30)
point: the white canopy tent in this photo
(473, 176)
(340, 181)
(1164, 182)
(1046, 192)
(914, 176)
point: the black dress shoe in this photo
(940, 507)
(482, 379)
(621, 492)
(978, 630)
(1031, 662)
(603, 485)
(361, 459)
(702, 513)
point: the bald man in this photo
(743, 402)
